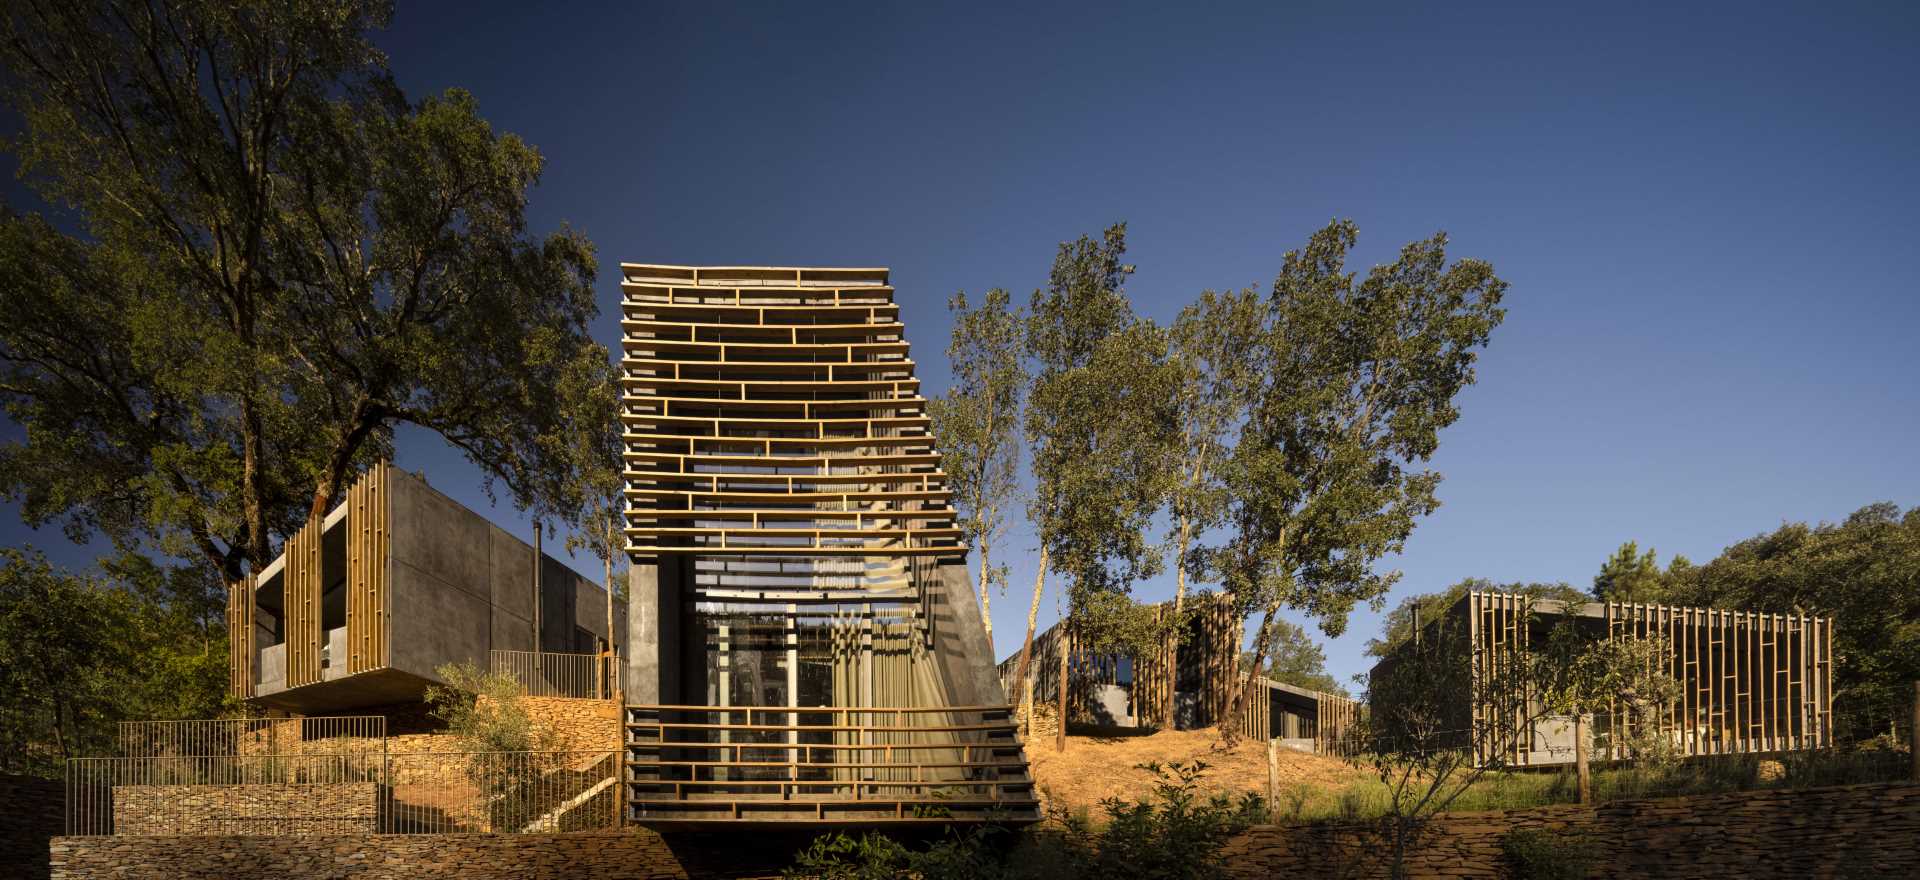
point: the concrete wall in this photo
(463, 587)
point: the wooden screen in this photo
(1749, 682)
(368, 538)
(301, 584)
(774, 413)
(240, 648)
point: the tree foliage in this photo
(275, 258)
(80, 653)
(1358, 378)
(1630, 576)
(1398, 624)
(1298, 660)
(978, 424)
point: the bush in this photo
(484, 710)
(1538, 854)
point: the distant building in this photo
(393, 583)
(1193, 675)
(1749, 683)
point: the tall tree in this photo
(588, 440)
(279, 259)
(1093, 421)
(1213, 365)
(978, 425)
(1630, 576)
(1864, 572)
(1362, 375)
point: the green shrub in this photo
(1538, 854)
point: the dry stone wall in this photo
(294, 808)
(1842, 832)
(631, 855)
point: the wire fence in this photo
(305, 795)
(550, 674)
(340, 734)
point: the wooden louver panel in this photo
(301, 585)
(774, 412)
(240, 652)
(369, 533)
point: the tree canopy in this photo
(263, 257)
(81, 652)
(978, 425)
(1630, 576)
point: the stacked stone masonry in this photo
(1840, 832)
(295, 808)
(1855, 831)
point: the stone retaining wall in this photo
(1855, 831)
(1843, 832)
(632, 855)
(293, 808)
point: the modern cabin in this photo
(1749, 682)
(808, 648)
(1184, 684)
(393, 583)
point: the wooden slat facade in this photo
(1749, 682)
(369, 546)
(302, 583)
(240, 650)
(303, 575)
(774, 412)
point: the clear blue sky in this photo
(1707, 216)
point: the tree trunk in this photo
(1171, 652)
(1237, 699)
(986, 602)
(1066, 647)
(253, 504)
(1033, 614)
(1580, 757)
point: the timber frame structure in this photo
(1194, 674)
(808, 648)
(1749, 682)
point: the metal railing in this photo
(302, 795)
(550, 674)
(709, 763)
(341, 734)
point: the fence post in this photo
(1913, 739)
(1273, 772)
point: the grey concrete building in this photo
(393, 583)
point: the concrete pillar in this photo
(653, 631)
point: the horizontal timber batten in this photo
(744, 354)
(728, 765)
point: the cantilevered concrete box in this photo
(400, 579)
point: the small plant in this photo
(485, 712)
(1539, 854)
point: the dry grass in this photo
(1100, 764)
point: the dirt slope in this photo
(1100, 766)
